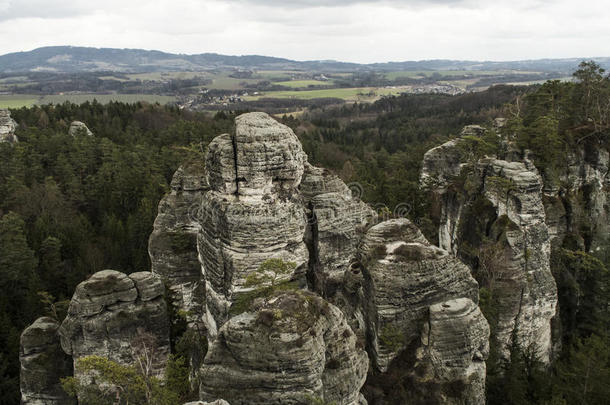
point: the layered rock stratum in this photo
(110, 311)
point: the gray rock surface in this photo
(43, 364)
(79, 128)
(172, 246)
(498, 216)
(253, 210)
(294, 348)
(403, 276)
(109, 311)
(7, 127)
(454, 347)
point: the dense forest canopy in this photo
(74, 205)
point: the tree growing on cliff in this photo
(269, 274)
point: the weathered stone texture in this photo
(43, 364)
(109, 310)
(296, 347)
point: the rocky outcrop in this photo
(253, 210)
(491, 214)
(577, 203)
(291, 350)
(79, 128)
(336, 223)
(173, 243)
(43, 364)
(403, 276)
(450, 366)
(7, 127)
(257, 199)
(109, 315)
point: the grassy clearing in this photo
(348, 94)
(297, 84)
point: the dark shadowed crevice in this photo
(234, 143)
(311, 241)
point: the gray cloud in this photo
(13, 9)
(343, 3)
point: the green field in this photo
(24, 100)
(348, 94)
(297, 84)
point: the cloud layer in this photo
(349, 30)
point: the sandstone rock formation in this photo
(173, 243)
(293, 349)
(257, 199)
(496, 219)
(403, 276)
(253, 211)
(79, 128)
(577, 202)
(109, 311)
(454, 347)
(43, 364)
(7, 127)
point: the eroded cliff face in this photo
(491, 213)
(576, 204)
(172, 246)
(109, 312)
(43, 364)
(7, 127)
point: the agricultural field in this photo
(24, 100)
(299, 84)
(419, 74)
(348, 94)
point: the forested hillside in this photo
(71, 206)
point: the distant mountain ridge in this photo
(71, 59)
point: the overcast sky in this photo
(347, 30)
